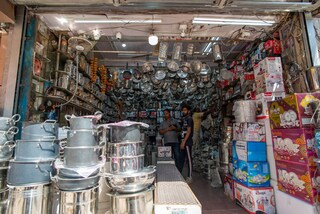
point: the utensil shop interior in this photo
(159, 107)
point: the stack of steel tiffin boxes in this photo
(130, 181)
(7, 144)
(30, 170)
(78, 171)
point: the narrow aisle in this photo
(213, 200)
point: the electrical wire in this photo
(77, 80)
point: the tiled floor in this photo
(213, 200)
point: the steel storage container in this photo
(141, 202)
(29, 199)
(79, 202)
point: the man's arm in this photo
(163, 130)
(182, 146)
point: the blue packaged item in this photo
(251, 174)
(317, 138)
(249, 151)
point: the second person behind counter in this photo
(170, 129)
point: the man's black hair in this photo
(186, 106)
(168, 110)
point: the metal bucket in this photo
(79, 202)
(31, 200)
(141, 202)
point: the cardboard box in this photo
(293, 111)
(249, 151)
(295, 145)
(249, 131)
(262, 102)
(255, 200)
(164, 152)
(268, 75)
(298, 180)
(251, 174)
(228, 186)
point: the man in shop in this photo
(170, 129)
(187, 141)
(197, 117)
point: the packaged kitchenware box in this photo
(293, 111)
(317, 140)
(249, 151)
(249, 131)
(164, 152)
(255, 200)
(228, 186)
(262, 102)
(298, 180)
(251, 174)
(296, 145)
(269, 65)
(269, 83)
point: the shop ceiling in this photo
(173, 15)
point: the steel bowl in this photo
(125, 165)
(133, 182)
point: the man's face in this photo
(166, 115)
(185, 111)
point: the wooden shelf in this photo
(62, 100)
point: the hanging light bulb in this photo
(153, 39)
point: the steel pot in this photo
(154, 80)
(4, 171)
(3, 184)
(132, 182)
(6, 136)
(4, 193)
(76, 184)
(85, 122)
(182, 74)
(70, 173)
(78, 138)
(128, 148)
(186, 67)
(6, 150)
(46, 130)
(28, 173)
(141, 202)
(36, 150)
(124, 133)
(64, 81)
(7, 122)
(84, 156)
(79, 202)
(126, 164)
(196, 66)
(147, 67)
(29, 199)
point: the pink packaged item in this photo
(293, 111)
(255, 199)
(298, 180)
(228, 186)
(296, 145)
